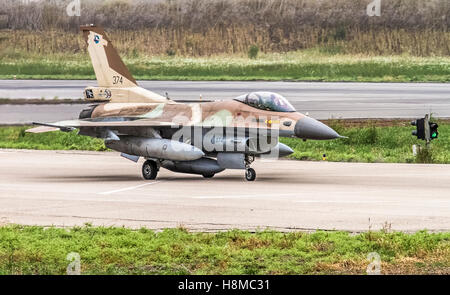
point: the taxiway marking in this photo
(127, 188)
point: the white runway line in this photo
(425, 202)
(223, 197)
(346, 202)
(262, 196)
(127, 188)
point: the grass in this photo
(306, 65)
(17, 138)
(366, 142)
(370, 143)
(38, 250)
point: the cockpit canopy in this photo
(267, 101)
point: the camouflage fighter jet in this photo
(202, 138)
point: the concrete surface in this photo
(71, 188)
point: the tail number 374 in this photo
(117, 80)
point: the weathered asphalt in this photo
(71, 188)
(320, 100)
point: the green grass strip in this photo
(366, 143)
(38, 250)
(297, 66)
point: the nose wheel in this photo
(250, 173)
(149, 170)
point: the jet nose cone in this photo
(309, 128)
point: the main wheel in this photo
(211, 175)
(250, 174)
(149, 170)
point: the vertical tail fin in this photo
(116, 84)
(108, 66)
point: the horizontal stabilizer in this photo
(45, 127)
(41, 129)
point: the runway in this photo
(72, 188)
(321, 100)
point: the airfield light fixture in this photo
(420, 128)
(433, 130)
(425, 129)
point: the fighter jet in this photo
(202, 138)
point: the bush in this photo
(253, 52)
(170, 52)
(340, 34)
(371, 135)
(424, 155)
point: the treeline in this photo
(206, 27)
(202, 15)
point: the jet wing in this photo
(71, 125)
(119, 123)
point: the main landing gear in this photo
(250, 173)
(149, 170)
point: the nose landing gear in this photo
(250, 173)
